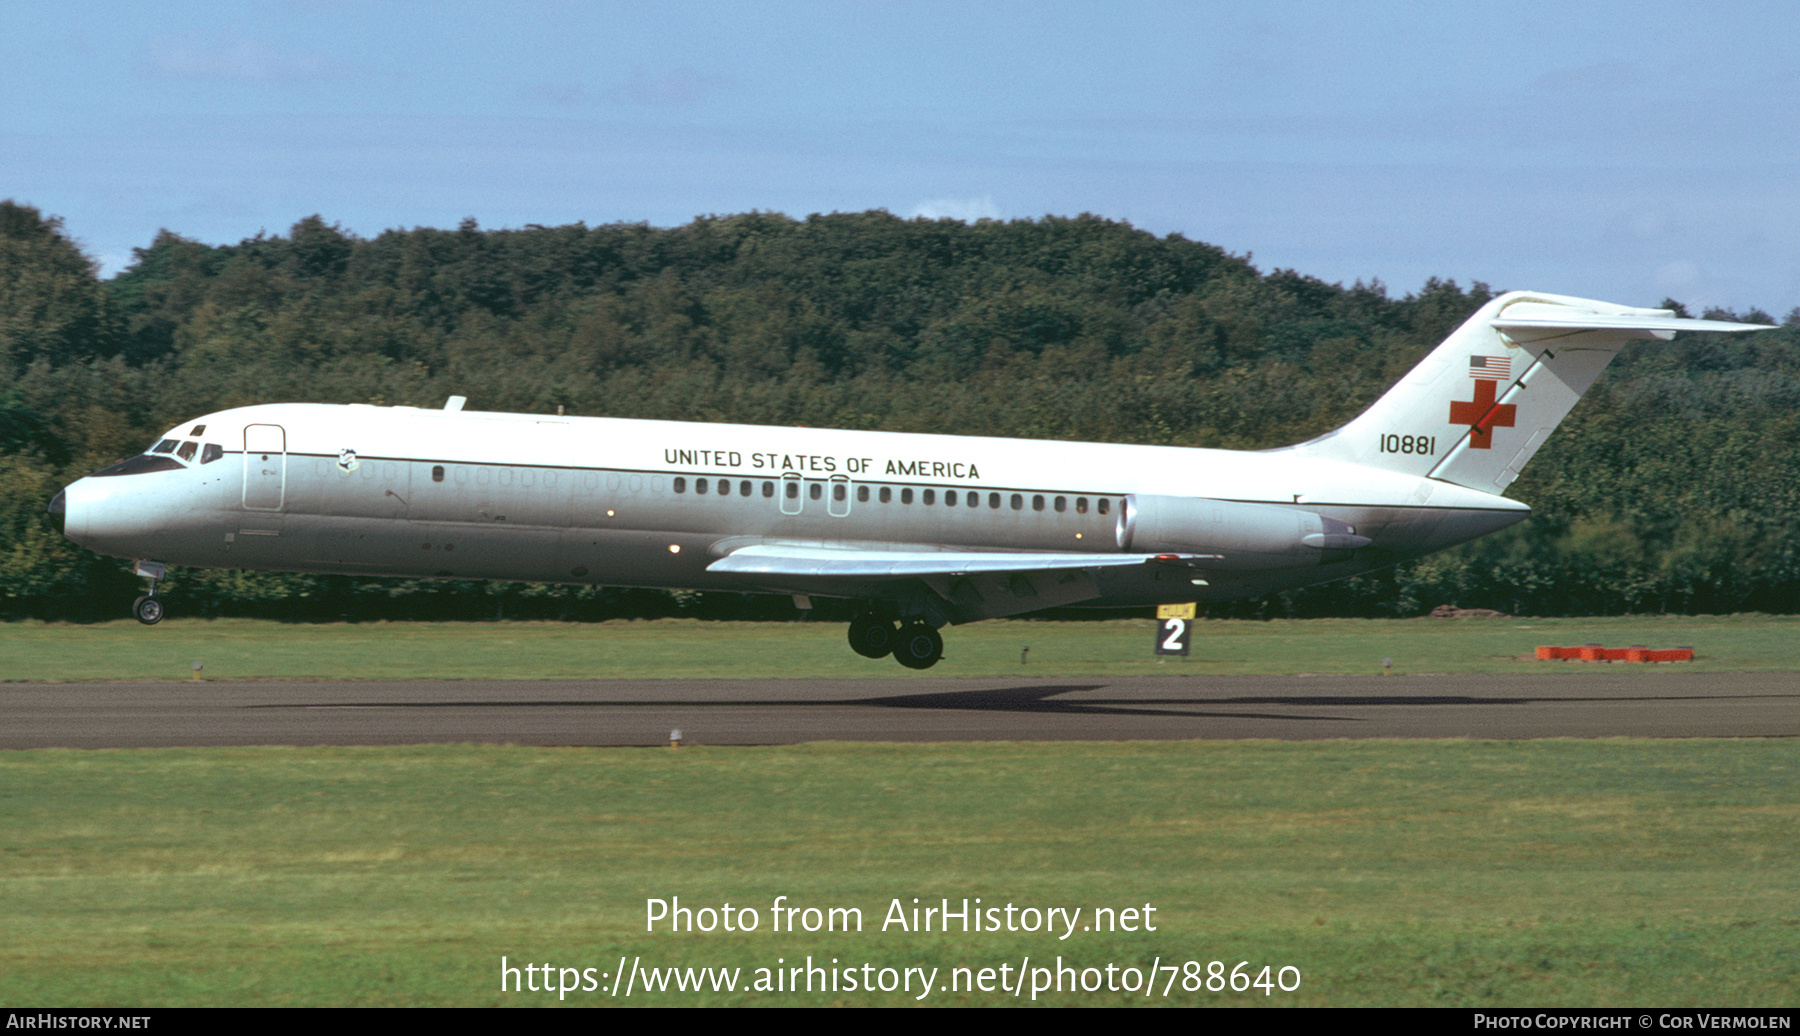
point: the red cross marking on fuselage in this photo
(1482, 415)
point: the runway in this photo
(1613, 702)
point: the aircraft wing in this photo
(970, 585)
(776, 560)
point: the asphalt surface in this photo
(1613, 702)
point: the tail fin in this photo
(1480, 405)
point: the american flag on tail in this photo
(1490, 368)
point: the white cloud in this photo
(676, 88)
(966, 209)
(1603, 78)
(1693, 285)
(191, 57)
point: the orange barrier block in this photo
(1597, 653)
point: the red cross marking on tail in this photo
(1482, 415)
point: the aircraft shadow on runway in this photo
(1044, 698)
(1037, 698)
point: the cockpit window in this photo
(210, 452)
(198, 431)
(139, 465)
(187, 450)
(166, 446)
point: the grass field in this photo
(1441, 873)
(1411, 873)
(251, 649)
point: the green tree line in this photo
(1675, 486)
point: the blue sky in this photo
(1620, 151)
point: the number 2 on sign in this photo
(1172, 636)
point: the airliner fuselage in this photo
(395, 491)
(925, 530)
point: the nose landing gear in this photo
(147, 608)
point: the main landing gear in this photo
(919, 646)
(914, 644)
(872, 637)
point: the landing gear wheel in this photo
(148, 610)
(871, 637)
(919, 646)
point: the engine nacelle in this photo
(1242, 536)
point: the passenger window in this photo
(862, 494)
(838, 492)
(166, 446)
(680, 484)
(186, 452)
(210, 452)
(1018, 502)
(437, 472)
(1037, 503)
(1081, 505)
(793, 490)
(768, 489)
(699, 485)
(1103, 504)
(994, 501)
(1062, 504)
(817, 491)
(930, 496)
(949, 498)
(906, 495)
(745, 488)
(887, 495)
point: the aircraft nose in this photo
(58, 510)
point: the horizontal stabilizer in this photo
(1537, 316)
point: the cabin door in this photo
(265, 467)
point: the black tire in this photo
(871, 637)
(918, 647)
(148, 610)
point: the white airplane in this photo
(923, 530)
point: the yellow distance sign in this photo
(1175, 611)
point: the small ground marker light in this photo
(198, 665)
(1387, 667)
(1022, 653)
(675, 738)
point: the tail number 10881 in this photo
(1420, 444)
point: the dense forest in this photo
(1674, 486)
